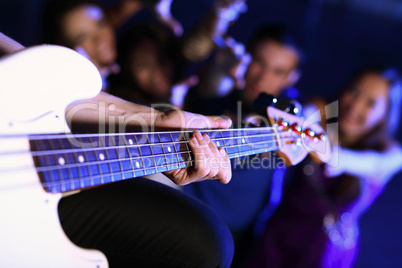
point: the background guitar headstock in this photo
(298, 137)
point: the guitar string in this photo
(62, 183)
(141, 158)
(138, 158)
(100, 176)
(151, 156)
(83, 179)
(57, 136)
(94, 177)
(254, 151)
(59, 151)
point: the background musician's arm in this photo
(8, 45)
(378, 166)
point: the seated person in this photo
(151, 64)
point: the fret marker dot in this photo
(130, 141)
(169, 150)
(217, 143)
(243, 140)
(137, 164)
(81, 159)
(62, 161)
(101, 156)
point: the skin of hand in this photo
(210, 162)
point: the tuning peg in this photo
(309, 133)
(282, 123)
(296, 128)
(322, 137)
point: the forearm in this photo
(379, 166)
(110, 111)
(8, 45)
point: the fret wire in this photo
(220, 138)
(140, 154)
(109, 165)
(88, 168)
(151, 150)
(37, 153)
(59, 143)
(80, 175)
(112, 140)
(70, 175)
(174, 149)
(41, 169)
(61, 179)
(94, 141)
(128, 153)
(97, 165)
(99, 141)
(163, 150)
(40, 144)
(50, 145)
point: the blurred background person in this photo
(199, 41)
(273, 67)
(151, 64)
(82, 25)
(316, 225)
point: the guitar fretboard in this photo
(72, 162)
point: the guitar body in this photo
(36, 85)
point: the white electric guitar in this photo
(40, 160)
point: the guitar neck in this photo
(72, 162)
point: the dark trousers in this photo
(142, 223)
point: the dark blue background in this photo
(337, 36)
